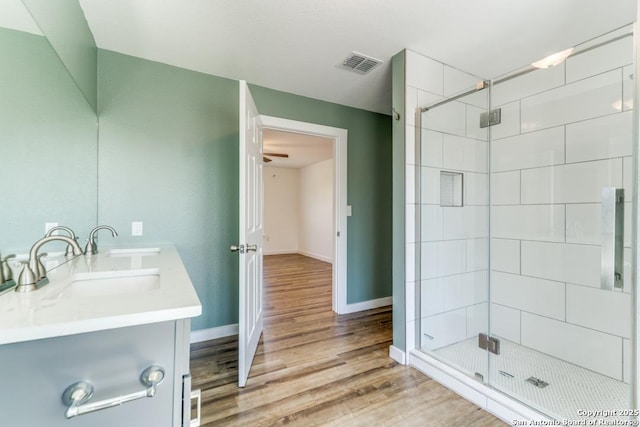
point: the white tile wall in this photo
(544, 297)
(431, 297)
(578, 264)
(594, 350)
(466, 222)
(531, 150)
(424, 73)
(442, 258)
(627, 87)
(430, 185)
(477, 254)
(626, 360)
(410, 105)
(529, 222)
(627, 178)
(410, 225)
(509, 121)
(476, 189)
(505, 188)
(464, 154)
(410, 145)
(585, 99)
(505, 322)
(605, 311)
(473, 123)
(410, 300)
(431, 227)
(477, 319)
(527, 85)
(601, 138)
(431, 150)
(410, 187)
(456, 81)
(445, 328)
(584, 224)
(572, 183)
(466, 289)
(448, 118)
(410, 262)
(612, 55)
(505, 255)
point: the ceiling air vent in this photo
(360, 63)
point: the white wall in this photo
(281, 206)
(298, 210)
(315, 226)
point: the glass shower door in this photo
(561, 171)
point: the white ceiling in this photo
(296, 45)
(303, 150)
(15, 16)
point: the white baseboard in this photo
(281, 252)
(316, 256)
(366, 305)
(398, 355)
(214, 333)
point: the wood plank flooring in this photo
(315, 368)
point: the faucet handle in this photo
(6, 273)
(27, 279)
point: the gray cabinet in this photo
(34, 374)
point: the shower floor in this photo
(571, 388)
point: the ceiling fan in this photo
(266, 159)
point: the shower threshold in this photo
(560, 389)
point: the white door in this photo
(251, 225)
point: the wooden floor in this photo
(315, 368)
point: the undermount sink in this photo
(114, 282)
(134, 251)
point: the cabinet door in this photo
(34, 375)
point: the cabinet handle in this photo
(77, 395)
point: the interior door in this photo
(251, 225)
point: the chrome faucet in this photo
(92, 246)
(34, 275)
(6, 276)
(69, 251)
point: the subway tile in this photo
(410, 105)
(410, 300)
(594, 350)
(600, 138)
(431, 148)
(431, 225)
(532, 222)
(410, 145)
(578, 264)
(604, 58)
(505, 188)
(424, 73)
(442, 258)
(476, 191)
(467, 222)
(628, 88)
(477, 254)
(430, 186)
(425, 99)
(462, 290)
(509, 121)
(477, 319)
(505, 322)
(604, 311)
(443, 329)
(528, 84)
(535, 149)
(464, 154)
(627, 178)
(584, 224)
(571, 183)
(473, 123)
(505, 255)
(478, 98)
(581, 100)
(456, 81)
(431, 297)
(543, 297)
(448, 118)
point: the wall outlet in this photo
(136, 228)
(49, 225)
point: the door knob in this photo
(239, 248)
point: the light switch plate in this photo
(348, 210)
(136, 228)
(49, 225)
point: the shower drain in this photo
(537, 382)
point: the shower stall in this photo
(521, 230)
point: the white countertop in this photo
(70, 304)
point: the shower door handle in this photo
(612, 263)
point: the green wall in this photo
(168, 156)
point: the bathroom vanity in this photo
(102, 320)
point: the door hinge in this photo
(490, 118)
(491, 344)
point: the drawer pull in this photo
(77, 395)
